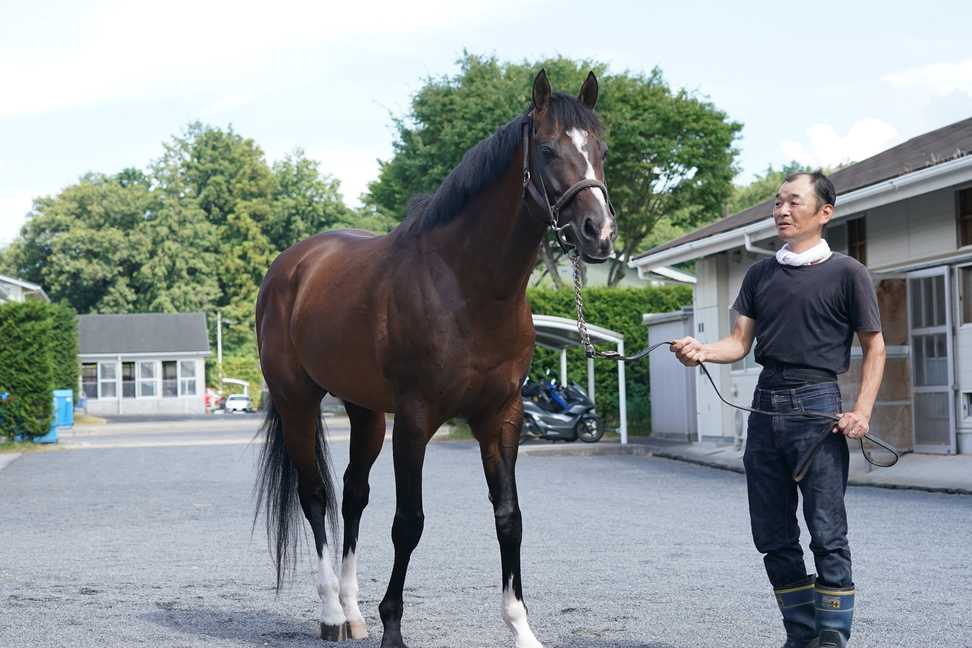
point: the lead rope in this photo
(804, 464)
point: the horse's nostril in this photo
(590, 231)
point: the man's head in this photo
(804, 205)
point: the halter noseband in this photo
(540, 195)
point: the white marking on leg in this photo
(349, 597)
(327, 588)
(515, 615)
(579, 138)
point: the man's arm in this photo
(729, 349)
(856, 423)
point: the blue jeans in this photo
(773, 449)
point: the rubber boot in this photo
(835, 614)
(796, 605)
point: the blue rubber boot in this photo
(796, 605)
(835, 614)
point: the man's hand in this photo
(689, 351)
(852, 425)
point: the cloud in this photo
(825, 148)
(119, 50)
(938, 79)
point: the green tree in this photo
(761, 187)
(671, 151)
(84, 245)
(305, 202)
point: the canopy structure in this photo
(561, 333)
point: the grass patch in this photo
(459, 430)
(8, 447)
(87, 419)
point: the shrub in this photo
(617, 309)
(64, 347)
(27, 367)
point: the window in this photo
(170, 379)
(146, 379)
(857, 240)
(187, 377)
(128, 380)
(849, 237)
(89, 380)
(107, 374)
(965, 216)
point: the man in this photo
(803, 308)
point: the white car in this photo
(238, 403)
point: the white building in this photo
(906, 213)
(143, 363)
(16, 290)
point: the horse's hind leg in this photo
(367, 437)
(303, 438)
(498, 434)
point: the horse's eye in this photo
(548, 151)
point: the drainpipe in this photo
(748, 242)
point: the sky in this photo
(97, 86)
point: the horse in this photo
(429, 322)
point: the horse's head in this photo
(568, 153)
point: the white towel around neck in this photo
(818, 253)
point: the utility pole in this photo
(219, 345)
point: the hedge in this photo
(38, 353)
(617, 309)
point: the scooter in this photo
(543, 418)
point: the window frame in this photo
(960, 217)
(95, 382)
(153, 380)
(113, 381)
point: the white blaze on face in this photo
(515, 615)
(579, 138)
(349, 597)
(327, 588)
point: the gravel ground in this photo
(151, 545)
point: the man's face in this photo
(796, 212)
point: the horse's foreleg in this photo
(411, 433)
(367, 437)
(498, 436)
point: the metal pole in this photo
(219, 348)
(563, 366)
(590, 378)
(622, 398)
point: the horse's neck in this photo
(495, 240)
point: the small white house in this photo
(17, 290)
(905, 213)
(143, 363)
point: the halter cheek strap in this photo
(541, 198)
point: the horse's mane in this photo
(484, 162)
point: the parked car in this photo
(238, 403)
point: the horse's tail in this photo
(277, 494)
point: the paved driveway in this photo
(143, 538)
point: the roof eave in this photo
(898, 188)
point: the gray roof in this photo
(937, 146)
(143, 333)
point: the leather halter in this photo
(540, 196)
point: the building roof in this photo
(27, 286)
(927, 150)
(143, 333)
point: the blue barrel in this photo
(63, 415)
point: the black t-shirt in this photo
(806, 316)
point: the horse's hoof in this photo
(334, 632)
(357, 630)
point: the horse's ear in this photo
(541, 91)
(588, 91)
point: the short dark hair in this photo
(823, 188)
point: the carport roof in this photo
(561, 333)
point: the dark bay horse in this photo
(429, 322)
